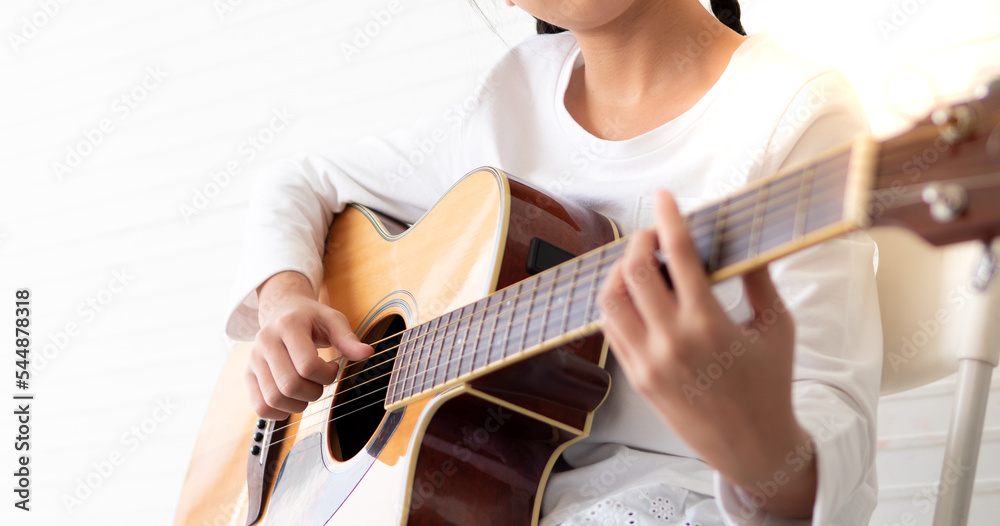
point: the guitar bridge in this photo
(260, 473)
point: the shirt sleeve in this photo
(400, 174)
(830, 291)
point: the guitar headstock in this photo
(941, 179)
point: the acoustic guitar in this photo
(488, 356)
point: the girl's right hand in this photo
(285, 371)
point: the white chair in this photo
(927, 338)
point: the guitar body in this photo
(476, 453)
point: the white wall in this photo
(128, 377)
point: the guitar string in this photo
(554, 288)
(440, 351)
(447, 364)
(554, 284)
(514, 321)
(693, 224)
(712, 218)
(775, 204)
(334, 394)
(605, 257)
(300, 430)
(774, 212)
(780, 182)
(698, 222)
(524, 321)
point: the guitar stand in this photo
(977, 357)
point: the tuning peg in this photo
(953, 123)
(947, 201)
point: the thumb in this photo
(768, 307)
(341, 336)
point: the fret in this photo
(408, 377)
(548, 304)
(527, 318)
(512, 302)
(717, 233)
(569, 296)
(453, 343)
(403, 364)
(758, 216)
(464, 320)
(481, 313)
(423, 362)
(581, 293)
(802, 206)
(700, 219)
(427, 354)
(433, 353)
(592, 291)
(608, 256)
(456, 342)
(827, 201)
(493, 332)
(739, 213)
(443, 352)
(534, 319)
(404, 369)
(779, 218)
(390, 395)
(733, 247)
(424, 355)
(701, 225)
(483, 356)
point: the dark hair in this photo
(544, 28)
(727, 11)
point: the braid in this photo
(543, 27)
(728, 12)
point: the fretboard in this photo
(744, 231)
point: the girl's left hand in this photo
(724, 388)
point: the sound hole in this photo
(358, 406)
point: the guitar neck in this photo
(763, 222)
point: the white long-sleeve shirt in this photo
(769, 110)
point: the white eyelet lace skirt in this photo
(654, 504)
